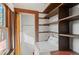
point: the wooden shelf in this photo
(70, 18)
(48, 32)
(49, 23)
(43, 18)
(44, 32)
(64, 35)
(54, 22)
(53, 12)
(70, 35)
(43, 24)
(50, 7)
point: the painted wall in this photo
(43, 36)
(54, 28)
(74, 28)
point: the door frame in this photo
(17, 27)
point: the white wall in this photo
(43, 36)
(54, 28)
(74, 28)
(27, 34)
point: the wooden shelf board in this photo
(54, 22)
(49, 23)
(70, 18)
(43, 24)
(53, 12)
(43, 18)
(50, 7)
(65, 35)
(44, 32)
(69, 35)
(48, 32)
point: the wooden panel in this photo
(9, 23)
(17, 34)
(15, 23)
(9, 31)
(18, 10)
(6, 10)
(63, 28)
(64, 43)
(12, 30)
(70, 5)
(51, 7)
(63, 12)
(36, 27)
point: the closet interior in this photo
(57, 22)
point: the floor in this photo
(64, 53)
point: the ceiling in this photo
(32, 6)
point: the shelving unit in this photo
(63, 24)
(64, 19)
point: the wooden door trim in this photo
(18, 10)
(8, 24)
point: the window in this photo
(3, 30)
(2, 16)
(2, 21)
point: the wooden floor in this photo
(64, 53)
